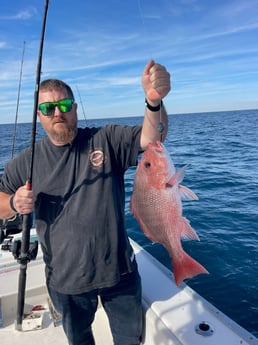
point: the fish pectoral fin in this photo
(186, 193)
(171, 181)
(177, 177)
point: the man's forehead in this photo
(52, 95)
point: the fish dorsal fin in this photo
(186, 193)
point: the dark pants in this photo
(122, 304)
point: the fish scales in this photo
(156, 205)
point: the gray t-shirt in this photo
(79, 207)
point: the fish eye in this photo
(147, 165)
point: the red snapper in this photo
(156, 204)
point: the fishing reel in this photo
(24, 250)
(31, 253)
(10, 227)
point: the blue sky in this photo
(100, 48)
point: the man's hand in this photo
(155, 82)
(23, 200)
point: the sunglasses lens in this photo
(47, 108)
(64, 105)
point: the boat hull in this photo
(172, 315)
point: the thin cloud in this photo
(230, 31)
(21, 15)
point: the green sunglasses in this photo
(64, 105)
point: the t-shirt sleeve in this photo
(15, 173)
(125, 141)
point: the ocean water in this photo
(221, 150)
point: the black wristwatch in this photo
(151, 108)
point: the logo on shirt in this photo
(97, 158)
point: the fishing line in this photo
(144, 27)
(81, 105)
(18, 101)
(141, 14)
(160, 126)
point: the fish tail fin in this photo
(186, 267)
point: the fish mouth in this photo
(157, 147)
(158, 151)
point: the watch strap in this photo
(151, 108)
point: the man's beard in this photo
(64, 135)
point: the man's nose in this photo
(57, 111)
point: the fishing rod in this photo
(25, 254)
(13, 225)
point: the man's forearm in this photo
(155, 126)
(5, 209)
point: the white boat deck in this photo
(173, 316)
(40, 330)
(50, 334)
